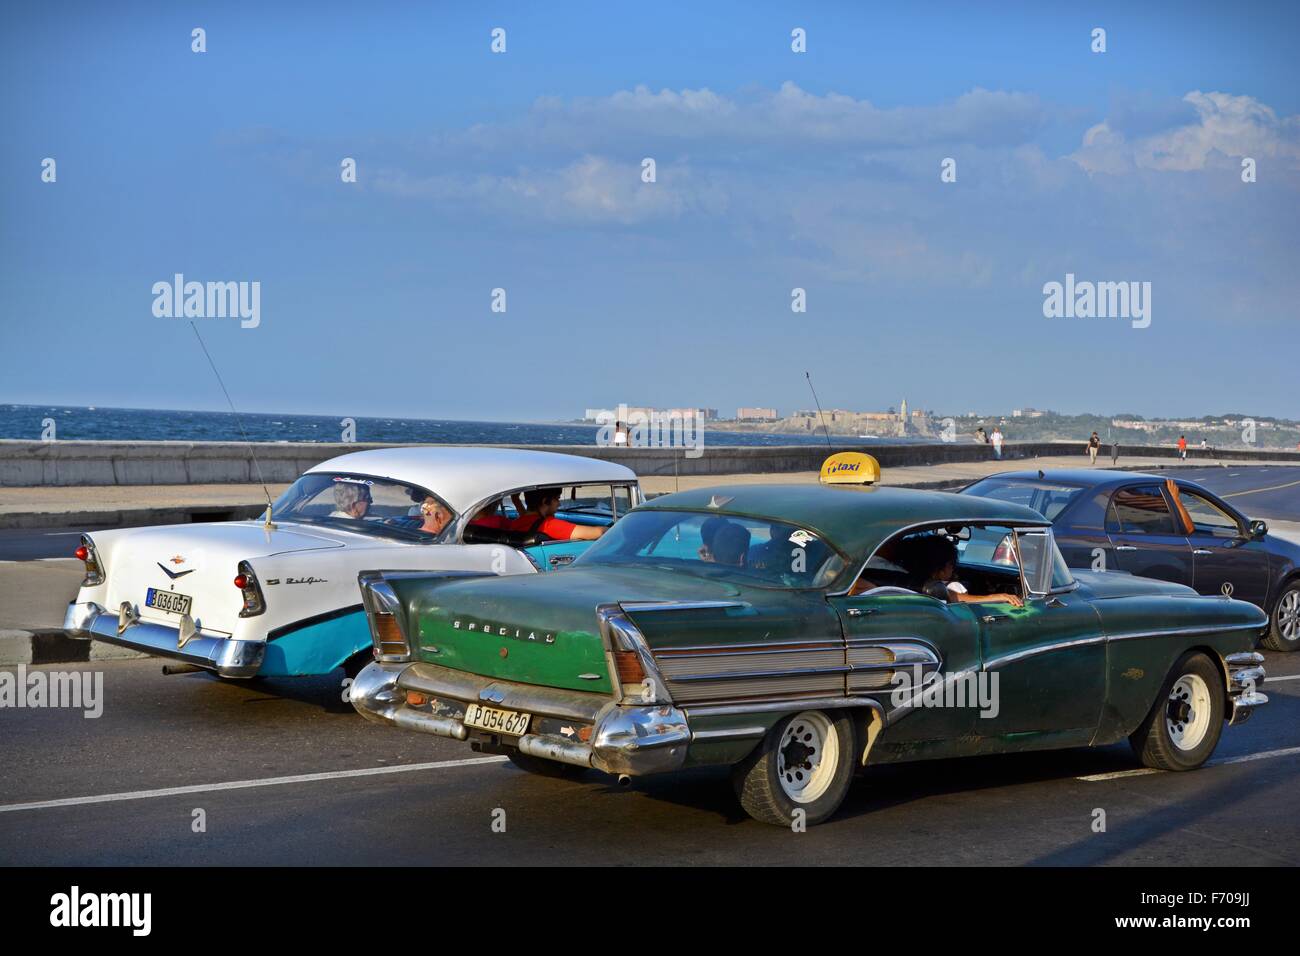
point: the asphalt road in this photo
(1263, 491)
(34, 544)
(158, 733)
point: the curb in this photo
(128, 517)
(51, 645)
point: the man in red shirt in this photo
(541, 505)
(1182, 447)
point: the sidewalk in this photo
(133, 505)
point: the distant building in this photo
(757, 414)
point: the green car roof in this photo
(857, 520)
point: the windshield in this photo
(1048, 498)
(364, 504)
(754, 551)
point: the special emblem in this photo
(500, 630)
(1226, 589)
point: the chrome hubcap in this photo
(1187, 715)
(807, 756)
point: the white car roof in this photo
(464, 475)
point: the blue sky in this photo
(775, 170)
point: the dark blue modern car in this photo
(1166, 528)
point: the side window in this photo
(1140, 509)
(1036, 559)
(1207, 516)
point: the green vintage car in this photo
(797, 633)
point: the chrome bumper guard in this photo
(222, 655)
(632, 739)
(1245, 673)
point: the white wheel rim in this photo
(1188, 713)
(1288, 615)
(807, 756)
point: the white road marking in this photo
(1143, 771)
(245, 784)
(1270, 680)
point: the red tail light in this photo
(86, 554)
(246, 581)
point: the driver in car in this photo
(936, 557)
(540, 506)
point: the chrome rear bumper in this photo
(221, 655)
(1245, 674)
(625, 739)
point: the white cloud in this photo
(592, 189)
(1226, 128)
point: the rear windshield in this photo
(755, 551)
(1048, 498)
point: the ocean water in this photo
(78, 423)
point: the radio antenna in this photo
(238, 421)
(820, 413)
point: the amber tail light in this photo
(390, 639)
(629, 667)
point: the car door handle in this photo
(1202, 551)
(1125, 547)
(994, 618)
(860, 611)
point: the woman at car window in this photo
(351, 500)
(936, 555)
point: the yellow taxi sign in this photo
(850, 468)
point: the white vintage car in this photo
(279, 596)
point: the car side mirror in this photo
(1258, 529)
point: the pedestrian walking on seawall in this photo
(1094, 446)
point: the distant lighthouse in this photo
(902, 419)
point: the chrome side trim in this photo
(1166, 632)
(746, 675)
(791, 705)
(1107, 638)
(638, 607)
(728, 733)
(997, 662)
(726, 650)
